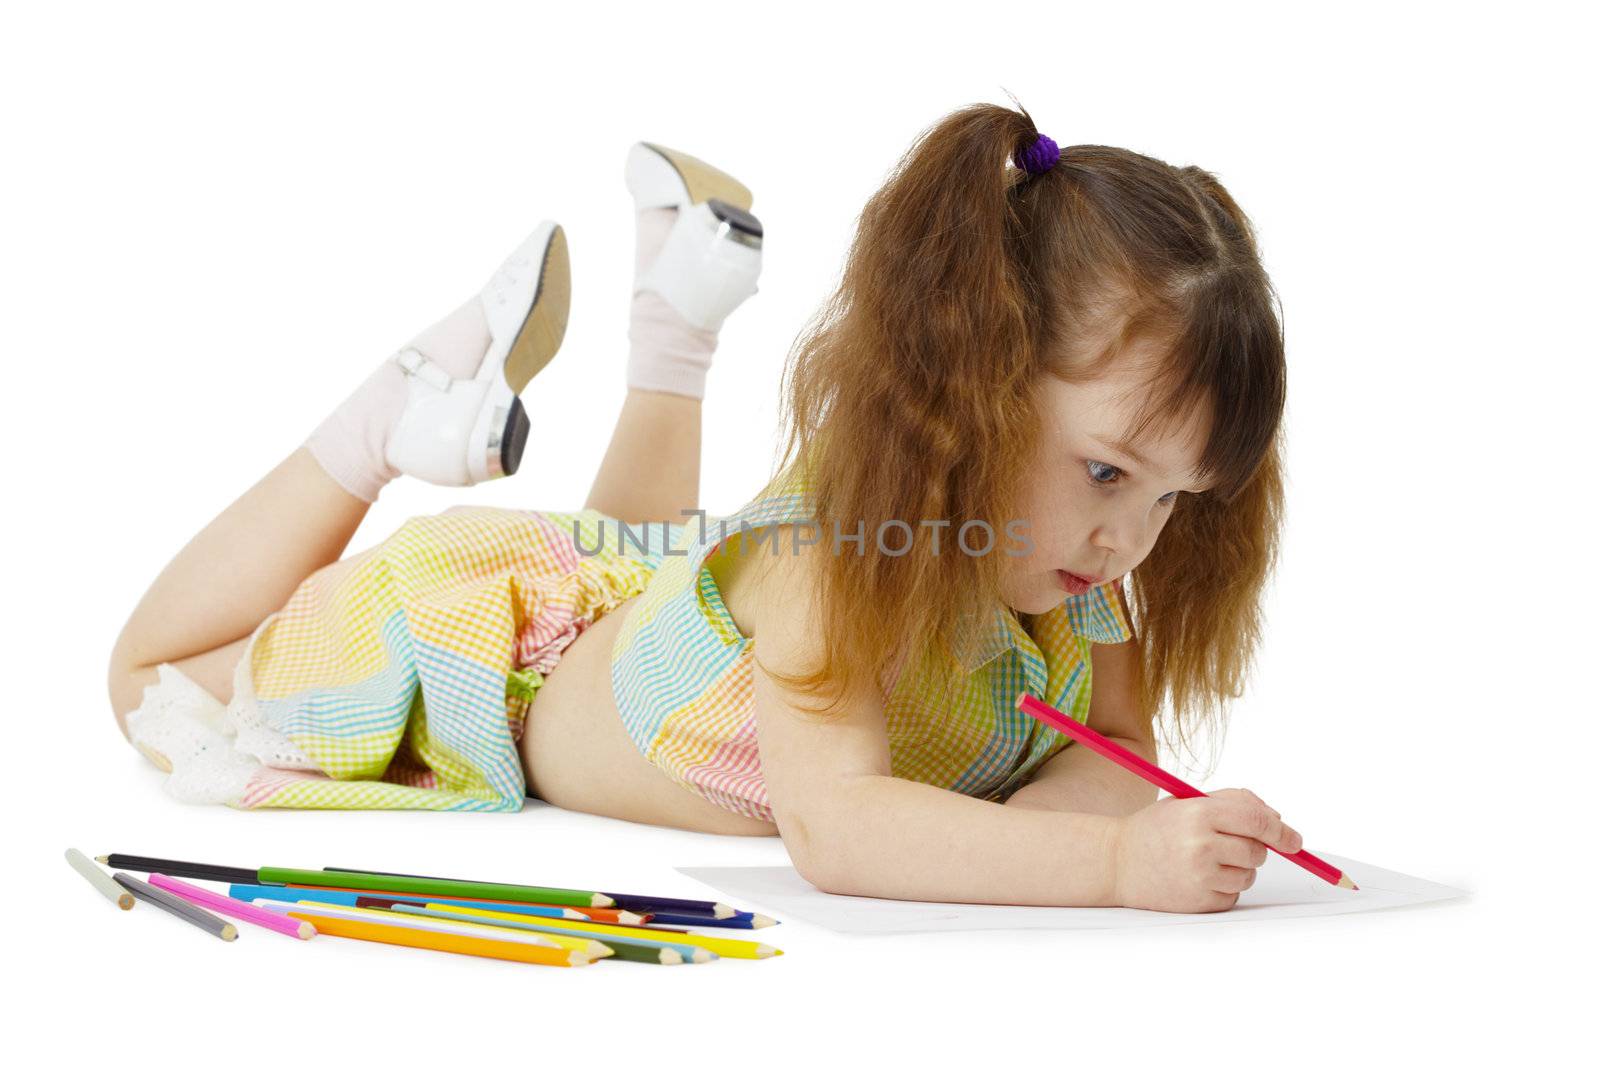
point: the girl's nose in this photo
(1119, 536)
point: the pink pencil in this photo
(1158, 777)
(205, 898)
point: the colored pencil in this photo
(211, 924)
(631, 901)
(1156, 776)
(743, 921)
(605, 915)
(629, 949)
(205, 898)
(641, 902)
(723, 946)
(467, 927)
(522, 894)
(99, 879)
(209, 872)
(677, 906)
(443, 942)
(250, 891)
(525, 894)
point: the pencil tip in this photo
(101, 859)
(1346, 883)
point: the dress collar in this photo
(1096, 615)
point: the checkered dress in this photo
(400, 677)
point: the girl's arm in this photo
(1078, 778)
(851, 827)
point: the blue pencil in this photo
(352, 899)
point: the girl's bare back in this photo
(576, 753)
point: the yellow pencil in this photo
(723, 946)
(413, 937)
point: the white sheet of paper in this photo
(1282, 890)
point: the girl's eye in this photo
(1103, 474)
(1098, 473)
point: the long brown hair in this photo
(911, 392)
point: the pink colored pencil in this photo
(1157, 777)
(205, 898)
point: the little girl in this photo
(1043, 370)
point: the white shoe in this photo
(465, 431)
(712, 256)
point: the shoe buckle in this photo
(417, 365)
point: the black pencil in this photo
(181, 868)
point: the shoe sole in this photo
(537, 340)
(546, 325)
(703, 181)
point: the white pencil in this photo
(99, 879)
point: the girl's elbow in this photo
(815, 855)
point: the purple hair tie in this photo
(1040, 157)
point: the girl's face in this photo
(1091, 507)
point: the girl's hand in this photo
(1195, 854)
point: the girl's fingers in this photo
(1222, 901)
(1263, 803)
(1238, 851)
(1232, 879)
(1254, 819)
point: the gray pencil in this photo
(99, 879)
(211, 924)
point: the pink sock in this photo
(665, 353)
(350, 442)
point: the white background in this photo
(216, 221)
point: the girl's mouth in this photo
(1075, 585)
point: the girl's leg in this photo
(243, 566)
(249, 560)
(651, 469)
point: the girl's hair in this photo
(911, 393)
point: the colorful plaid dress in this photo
(401, 676)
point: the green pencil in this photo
(522, 894)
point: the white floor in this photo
(1216, 992)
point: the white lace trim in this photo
(213, 750)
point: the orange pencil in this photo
(442, 942)
(1157, 777)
